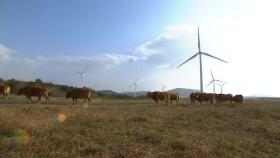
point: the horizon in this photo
(124, 40)
(126, 92)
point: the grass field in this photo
(139, 128)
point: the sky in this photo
(123, 40)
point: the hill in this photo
(184, 92)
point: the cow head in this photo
(21, 91)
(149, 94)
(67, 95)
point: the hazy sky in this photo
(123, 39)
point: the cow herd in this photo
(87, 94)
(218, 98)
(41, 91)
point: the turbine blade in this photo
(220, 81)
(188, 60)
(212, 74)
(210, 83)
(79, 73)
(85, 70)
(213, 57)
(198, 39)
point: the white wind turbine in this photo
(135, 86)
(214, 82)
(163, 87)
(129, 86)
(221, 86)
(83, 74)
(200, 53)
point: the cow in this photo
(174, 96)
(5, 91)
(205, 97)
(193, 97)
(221, 98)
(81, 93)
(156, 96)
(238, 98)
(36, 91)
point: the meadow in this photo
(138, 128)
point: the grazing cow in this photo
(193, 97)
(5, 91)
(36, 91)
(221, 98)
(174, 96)
(156, 96)
(238, 98)
(81, 93)
(205, 97)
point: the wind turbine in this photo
(135, 86)
(83, 74)
(200, 53)
(221, 86)
(163, 87)
(129, 86)
(213, 81)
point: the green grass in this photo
(139, 128)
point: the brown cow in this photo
(174, 96)
(238, 98)
(156, 96)
(5, 91)
(81, 93)
(205, 97)
(221, 98)
(36, 91)
(193, 97)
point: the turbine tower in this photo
(200, 53)
(83, 74)
(135, 86)
(129, 86)
(213, 81)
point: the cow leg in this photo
(73, 100)
(85, 101)
(30, 98)
(47, 99)
(39, 98)
(27, 98)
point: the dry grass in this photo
(139, 128)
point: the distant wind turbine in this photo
(83, 74)
(163, 87)
(214, 82)
(221, 86)
(200, 53)
(129, 86)
(135, 86)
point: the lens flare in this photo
(61, 117)
(22, 136)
